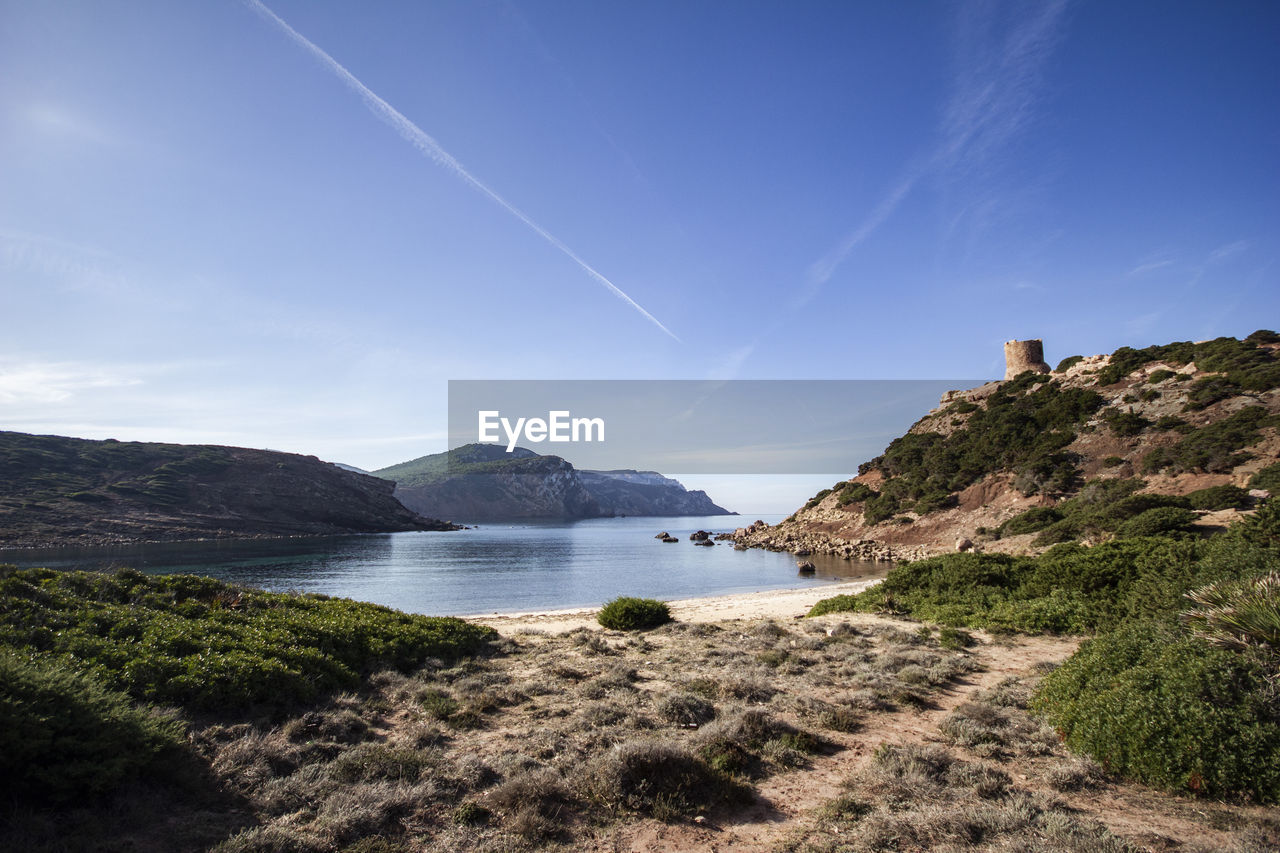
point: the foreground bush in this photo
(1243, 615)
(63, 736)
(657, 778)
(633, 614)
(201, 643)
(1169, 710)
(1071, 588)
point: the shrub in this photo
(1031, 521)
(1243, 615)
(204, 644)
(1213, 448)
(633, 614)
(1125, 423)
(64, 736)
(686, 709)
(1219, 497)
(1067, 363)
(656, 778)
(1157, 521)
(1160, 376)
(1168, 710)
(855, 492)
(1268, 478)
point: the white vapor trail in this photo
(422, 141)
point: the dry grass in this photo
(563, 742)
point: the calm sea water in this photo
(495, 568)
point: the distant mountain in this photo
(58, 491)
(483, 482)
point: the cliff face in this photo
(1090, 447)
(57, 491)
(481, 482)
(646, 493)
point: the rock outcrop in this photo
(1169, 420)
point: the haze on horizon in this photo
(209, 234)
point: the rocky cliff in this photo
(482, 482)
(1171, 437)
(58, 491)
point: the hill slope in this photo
(1180, 430)
(58, 491)
(482, 482)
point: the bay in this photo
(493, 568)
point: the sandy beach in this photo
(771, 604)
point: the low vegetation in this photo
(205, 645)
(539, 741)
(633, 614)
(1177, 689)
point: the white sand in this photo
(772, 604)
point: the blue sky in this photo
(209, 234)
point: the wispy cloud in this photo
(1148, 267)
(997, 85)
(42, 383)
(1230, 250)
(427, 146)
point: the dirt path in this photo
(787, 801)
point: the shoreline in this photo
(791, 603)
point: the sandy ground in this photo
(770, 604)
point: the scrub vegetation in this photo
(1177, 689)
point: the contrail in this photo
(422, 141)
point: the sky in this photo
(290, 225)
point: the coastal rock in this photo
(806, 568)
(699, 536)
(663, 535)
(705, 543)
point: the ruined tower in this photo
(1021, 356)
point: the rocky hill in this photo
(482, 482)
(1142, 440)
(61, 491)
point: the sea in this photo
(491, 568)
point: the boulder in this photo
(707, 542)
(663, 535)
(806, 568)
(963, 544)
(670, 539)
(699, 536)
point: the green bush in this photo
(1168, 710)
(1125, 423)
(1268, 478)
(1157, 521)
(1219, 497)
(633, 614)
(1031, 521)
(1067, 363)
(203, 644)
(64, 736)
(1213, 448)
(1240, 614)
(855, 492)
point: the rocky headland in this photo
(1089, 446)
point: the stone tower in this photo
(1021, 356)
